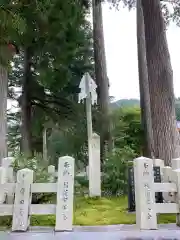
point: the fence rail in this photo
(21, 207)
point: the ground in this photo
(125, 232)
(93, 212)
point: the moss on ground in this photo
(96, 211)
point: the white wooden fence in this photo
(92, 172)
(145, 188)
(21, 208)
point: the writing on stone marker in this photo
(145, 172)
(22, 190)
(148, 200)
(66, 172)
(66, 169)
(21, 210)
(149, 214)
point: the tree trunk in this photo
(26, 105)
(101, 77)
(166, 137)
(45, 156)
(3, 112)
(148, 148)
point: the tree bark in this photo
(148, 148)
(101, 77)
(45, 155)
(3, 112)
(166, 137)
(26, 105)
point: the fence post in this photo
(65, 194)
(22, 201)
(175, 163)
(51, 171)
(95, 168)
(6, 163)
(144, 193)
(10, 179)
(177, 196)
(2, 181)
(167, 176)
(159, 163)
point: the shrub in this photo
(36, 163)
(115, 179)
(40, 168)
(81, 184)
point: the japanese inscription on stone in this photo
(65, 191)
(131, 190)
(22, 200)
(147, 192)
(65, 187)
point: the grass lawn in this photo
(91, 212)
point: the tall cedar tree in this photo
(101, 77)
(148, 148)
(166, 137)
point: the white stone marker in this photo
(144, 193)
(51, 171)
(6, 163)
(2, 181)
(177, 196)
(22, 200)
(88, 91)
(65, 194)
(95, 168)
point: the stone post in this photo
(22, 201)
(65, 194)
(95, 168)
(144, 193)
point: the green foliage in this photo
(83, 181)
(125, 103)
(12, 25)
(127, 130)
(40, 169)
(114, 179)
(81, 186)
(36, 164)
(69, 140)
(59, 39)
(177, 105)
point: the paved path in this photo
(117, 232)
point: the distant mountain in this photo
(126, 103)
(133, 102)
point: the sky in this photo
(121, 52)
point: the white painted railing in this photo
(21, 208)
(145, 188)
(93, 172)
